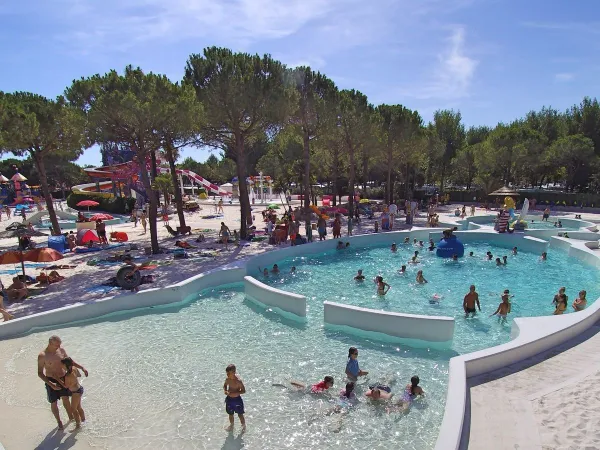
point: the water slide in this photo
(210, 187)
(108, 172)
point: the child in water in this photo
(420, 278)
(359, 276)
(504, 307)
(71, 382)
(411, 392)
(233, 389)
(352, 368)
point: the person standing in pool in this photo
(233, 389)
(71, 382)
(359, 276)
(470, 301)
(381, 286)
(51, 370)
(352, 368)
(420, 278)
(504, 307)
(580, 302)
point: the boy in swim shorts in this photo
(504, 307)
(233, 389)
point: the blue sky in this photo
(493, 60)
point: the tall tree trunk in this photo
(351, 181)
(152, 213)
(388, 184)
(41, 168)
(335, 170)
(365, 173)
(169, 151)
(306, 202)
(243, 187)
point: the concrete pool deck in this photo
(551, 400)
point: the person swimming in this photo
(514, 251)
(340, 246)
(411, 392)
(359, 276)
(317, 388)
(504, 260)
(420, 278)
(498, 262)
(379, 392)
(293, 269)
(406, 240)
(394, 248)
(455, 257)
(402, 270)
(544, 256)
(471, 254)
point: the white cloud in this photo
(563, 77)
(453, 74)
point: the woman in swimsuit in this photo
(381, 286)
(420, 278)
(70, 381)
(561, 305)
(580, 302)
(225, 235)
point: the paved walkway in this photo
(516, 407)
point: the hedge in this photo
(116, 205)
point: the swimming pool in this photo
(157, 374)
(329, 276)
(156, 379)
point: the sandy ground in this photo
(41, 431)
(550, 401)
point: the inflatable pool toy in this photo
(127, 278)
(509, 205)
(450, 246)
(521, 223)
(318, 212)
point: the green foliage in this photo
(35, 126)
(113, 205)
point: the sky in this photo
(493, 60)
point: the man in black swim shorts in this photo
(471, 299)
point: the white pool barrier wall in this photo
(407, 326)
(269, 296)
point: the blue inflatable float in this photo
(450, 246)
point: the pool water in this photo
(156, 379)
(329, 276)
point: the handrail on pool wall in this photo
(532, 335)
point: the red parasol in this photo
(101, 216)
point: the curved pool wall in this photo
(288, 304)
(487, 221)
(531, 335)
(433, 329)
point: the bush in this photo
(115, 205)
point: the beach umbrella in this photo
(18, 230)
(87, 203)
(13, 257)
(18, 177)
(101, 216)
(3, 179)
(85, 236)
(42, 254)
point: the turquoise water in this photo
(329, 276)
(156, 380)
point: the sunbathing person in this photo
(183, 244)
(17, 291)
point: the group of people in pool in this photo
(347, 397)
(560, 301)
